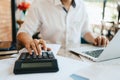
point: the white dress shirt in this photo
(55, 24)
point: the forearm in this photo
(89, 37)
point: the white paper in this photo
(100, 72)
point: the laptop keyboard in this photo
(95, 53)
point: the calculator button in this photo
(39, 56)
(50, 54)
(29, 57)
(34, 56)
(44, 55)
(23, 57)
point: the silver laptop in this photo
(112, 51)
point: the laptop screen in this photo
(7, 23)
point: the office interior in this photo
(103, 15)
(104, 20)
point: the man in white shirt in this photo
(58, 21)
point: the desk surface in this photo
(67, 66)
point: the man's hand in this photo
(101, 41)
(37, 45)
(34, 45)
(97, 41)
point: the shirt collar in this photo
(58, 2)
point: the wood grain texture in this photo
(5, 23)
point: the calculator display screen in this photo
(36, 65)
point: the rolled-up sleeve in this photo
(86, 26)
(32, 21)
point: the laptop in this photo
(112, 51)
(7, 27)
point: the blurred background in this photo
(103, 15)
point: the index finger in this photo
(38, 46)
(34, 48)
(29, 50)
(43, 43)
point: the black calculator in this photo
(27, 63)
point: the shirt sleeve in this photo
(86, 26)
(32, 21)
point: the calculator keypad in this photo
(45, 55)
